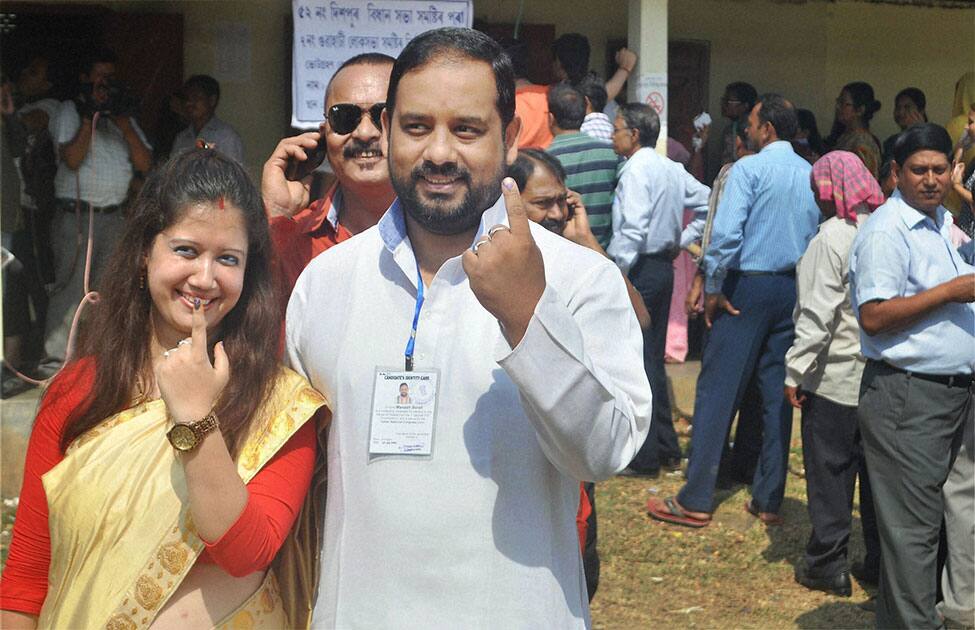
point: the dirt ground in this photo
(735, 573)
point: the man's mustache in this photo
(552, 225)
(355, 148)
(449, 170)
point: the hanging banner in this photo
(328, 33)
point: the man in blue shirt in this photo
(914, 293)
(648, 214)
(766, 217)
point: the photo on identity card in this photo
(404, 408)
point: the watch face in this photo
(182, 437)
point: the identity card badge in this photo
(404, 411)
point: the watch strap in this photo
(206, 425)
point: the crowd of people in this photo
(49, 147)
(285, 410)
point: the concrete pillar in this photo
(647, 36)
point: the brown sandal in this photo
(768, 518)
(669, 511)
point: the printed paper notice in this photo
(328, 33)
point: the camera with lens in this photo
(119, 101)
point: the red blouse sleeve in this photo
(291, 255)
(23, 585)
(276, 494)
(287, 263)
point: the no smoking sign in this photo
(651, 88)
(656, 101)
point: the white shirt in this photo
(825, 355)
(597, 125)
(105, 172)
(482, 534)
(216, 132)
(648, 208)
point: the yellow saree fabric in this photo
(122, 536)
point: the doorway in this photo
(149, 48)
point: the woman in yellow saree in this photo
(168, 472)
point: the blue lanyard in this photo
(416, 320)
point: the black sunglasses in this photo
(343, 118)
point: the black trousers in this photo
(653, 277)
(22, 286)
(833, 456)
(590, 555)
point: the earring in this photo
(142, 281)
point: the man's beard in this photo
(437, 217)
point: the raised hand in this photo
(190, 386)
(577, 228)
(283, 197)
(626, 59)
(702, 134)
(914, 117)
(958, 172)
(506, 270)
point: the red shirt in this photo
(531, 106)
(300, 238)
(275, 496)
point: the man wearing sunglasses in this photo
(354, 145)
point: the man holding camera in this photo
(90, 174)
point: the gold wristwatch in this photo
(186, 437)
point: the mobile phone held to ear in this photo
(298, 170)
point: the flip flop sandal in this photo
(669, 512)
(768, 518)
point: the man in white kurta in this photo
(481, 533)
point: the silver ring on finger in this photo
(497, 228)
(481, 241)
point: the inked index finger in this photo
(199, 334)
(517, 216)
